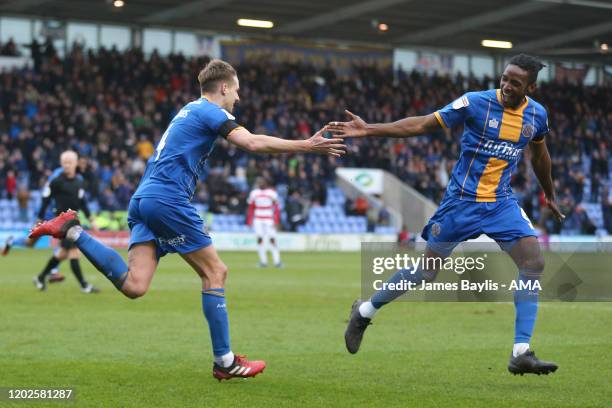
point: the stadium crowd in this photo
(111, 107)
(9, 49)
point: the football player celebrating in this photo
(162, 219)
(498, 125)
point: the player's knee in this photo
(134, 291)
(535, 264)
(133, 287)
(218, 274)
(222, 271)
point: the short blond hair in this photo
(215, 72)
(69, 154)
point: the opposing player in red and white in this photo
(264, 216)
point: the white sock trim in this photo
(519, 348)
(74, 232)
(367, 309)
(225, 360)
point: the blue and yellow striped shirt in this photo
(492, 142)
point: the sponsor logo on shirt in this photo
(436, 229)
(173, 242)
(502, 150)
(493, 123)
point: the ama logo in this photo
(531, 285)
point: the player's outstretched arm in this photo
(357, 127)
(542, 167)
(269, 144)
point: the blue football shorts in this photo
(175, 227)
(457, 220)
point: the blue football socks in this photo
(213, 305)
(105, 259)
(385, 295)
(526, 303)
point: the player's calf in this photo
(22, 241)
(209, 267)
(261, 252)
(142, 262)
(8, 244)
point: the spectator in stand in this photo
(405, 238)
(372, 215)
(606, 209)
(11, 184)
(319, 194)
(144, 148)
(586, 225)
(384, 217)
(296, 211)
(89, 178)
(108, 201)
(360, 206)
(10, 49)
(23, 197)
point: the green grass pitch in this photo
(155, 351)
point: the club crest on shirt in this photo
(462, 102)
(494, 123)
(435, 229)
(528, 130)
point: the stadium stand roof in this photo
(555, 27)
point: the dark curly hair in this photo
(528, 63)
